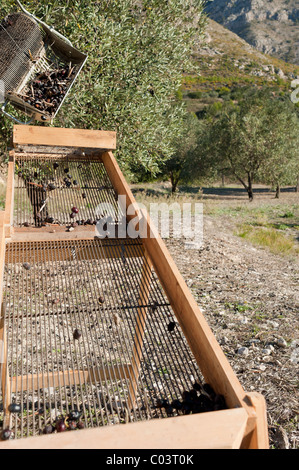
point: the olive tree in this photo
(257, 139)
(137, 52)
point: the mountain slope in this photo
(272, 26)
(227, 62)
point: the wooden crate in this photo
(242, 425)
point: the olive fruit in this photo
(51, 187)
(72, 215)
(80, 425)
(14, 408)
(77, 334)
(75, 415)
(75, 210)
(101, 299)
(72, 425)
(75, 182)
(171, 326)
(66, 170)
(48, 429)
(50, 220)
(84, 195)
(55, 166)
(26, 224)
(6, 434)
(26, 266)
(60, 425)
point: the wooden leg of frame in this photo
(258, 438)
(5, 384)
(139, 330)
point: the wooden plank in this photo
(68, 378)
(81, 138)
(207, 351)
(214, 430)
(5, 383)
(8, 218)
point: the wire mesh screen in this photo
(37, 66)
(20, 36)
(47, 190)
(89, 331)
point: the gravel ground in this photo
(250, 300)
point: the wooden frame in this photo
(244, 425)
(54, 136)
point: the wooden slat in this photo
(214, 430)
(81, 138)
(8, 218)
(68, 378)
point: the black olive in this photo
(84, 195)
(169, 410)
(48, 429)
(75, 182)
(6, 434)
(171, 326)
(75, 415)
(177, 404)
(55, 166)
(159, 403)
(72, 425)
(14, 408)
(101, 299)
(197, 386)
(51, 186)
(26, 266)
(77, 334)
(66, 170)
(60, 426)
(50, 220)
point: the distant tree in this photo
(257, 138)
(137, 52)
(178, 168)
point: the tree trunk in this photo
(249, 188)
(174, 182)
(277, 193)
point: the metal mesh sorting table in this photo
(119, 308)
(102, 333)
(46, 190)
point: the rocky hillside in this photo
(272, 26)
(228, 62)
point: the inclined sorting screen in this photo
(89, 328)
(46, 190)
(20, 36)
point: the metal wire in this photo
(120, 366)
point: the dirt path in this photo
(250, 300)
